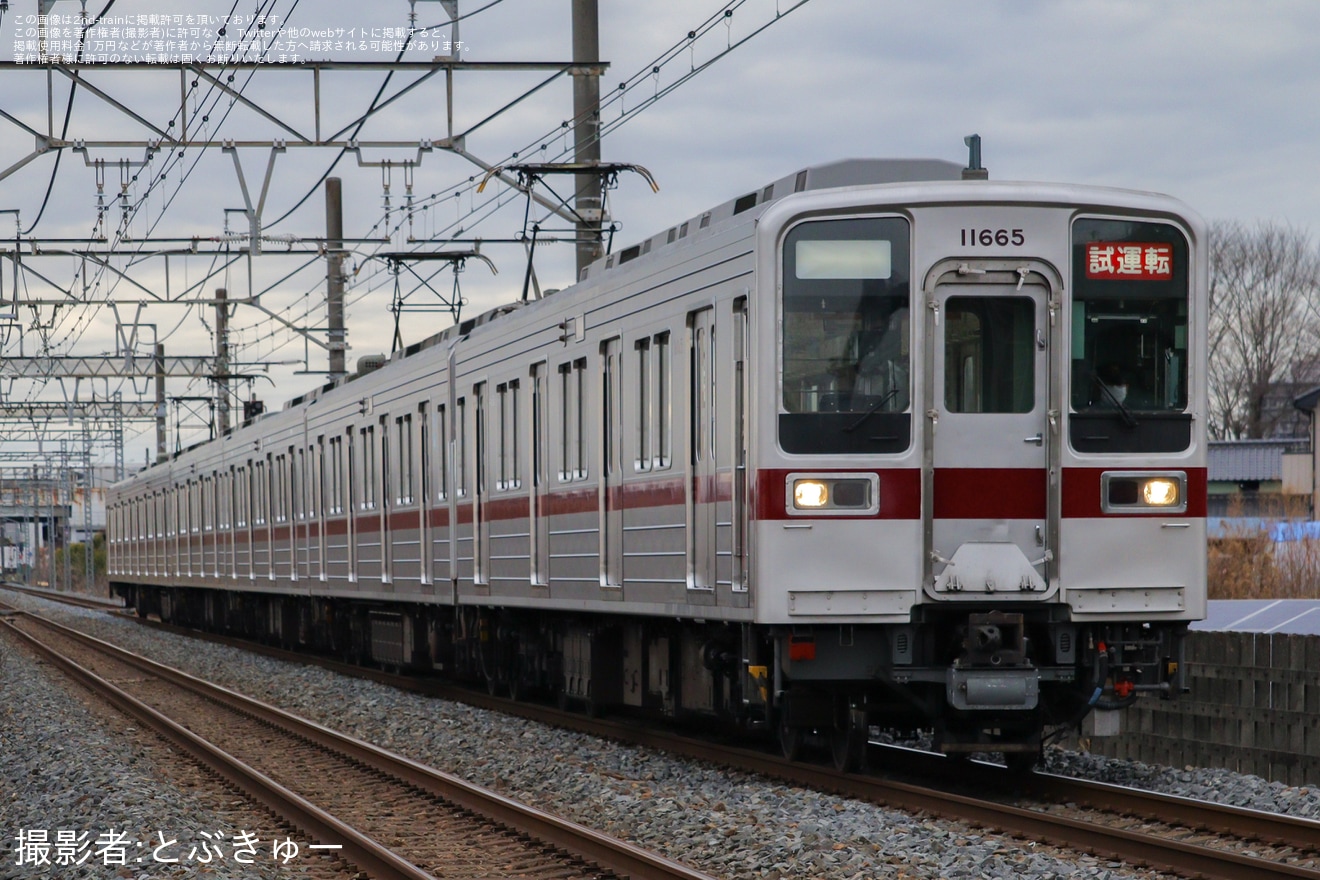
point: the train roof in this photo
(831, 175)
(844, 172)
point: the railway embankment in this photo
(1253, 707)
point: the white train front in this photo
(874, 445)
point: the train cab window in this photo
(1128, 377)
(846, 337)
(989, 355)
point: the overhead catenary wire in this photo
(643, 75)
(162, 173)
(373, 277)
(82, 323)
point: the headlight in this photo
(1138, 491)
(1160, 492)
(810, 494)
(833, 494)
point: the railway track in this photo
(1179, 835)
(393, 818)
(78, 599)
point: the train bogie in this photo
(871, 446)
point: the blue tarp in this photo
(1294, 531)
(1280, 531)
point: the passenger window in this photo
(989, 355)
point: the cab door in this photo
(990, 482)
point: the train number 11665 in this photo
(992, 237)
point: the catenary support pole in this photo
(586, 130)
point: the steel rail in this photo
(609, 853)
(1241, 822)
(1238, 821)
(357, 847)
(1179, 857)
(79, 600)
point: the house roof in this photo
(1308, 401)
(1238, 461)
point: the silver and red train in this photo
(873, 445)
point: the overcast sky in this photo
(1212, 101)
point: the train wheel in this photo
(517, 686)
(592, 707)
(848, 746)
(790, 739)
(844, 751)
(1022, 763)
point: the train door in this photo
(611, 470)
(318, 503)
(701, 484)
(351, 494)
(739, 501)
(301, 551)
(460, 511)
(446, 476)
(989, 497)
(539, 531)
(385, 471)
(480, 490)
(425, 499)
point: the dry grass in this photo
(1247, 564)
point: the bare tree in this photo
(1264, 325)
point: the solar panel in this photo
(1297, 616)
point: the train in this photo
(882, 443)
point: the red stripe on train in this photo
(960, 493)
(990, 493)
(1082, 491)
(900, 492)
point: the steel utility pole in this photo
(334, 260)
(586, 131)
(161, 444)
(222, 360)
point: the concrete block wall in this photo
(1254, 707)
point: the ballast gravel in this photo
(81, 799)
(727, 824)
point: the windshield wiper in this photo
(1124, 413)
(888, 396)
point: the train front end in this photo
(980, 457)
